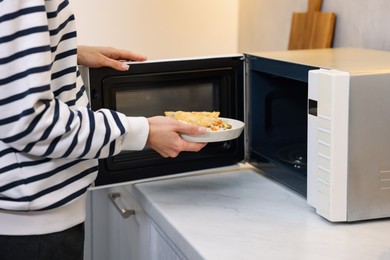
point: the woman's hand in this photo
(95, 57)
(164, 136)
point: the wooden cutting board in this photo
(313, 29)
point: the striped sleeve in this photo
(44, 108)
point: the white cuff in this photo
(137, 135)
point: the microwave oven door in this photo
(152, 87)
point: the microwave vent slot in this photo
(384, 178)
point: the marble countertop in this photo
(241, 214)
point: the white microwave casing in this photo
(349, 143)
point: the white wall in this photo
(265, 24)
(184, 28)
(361, 23)
(160, 28)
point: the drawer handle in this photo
(125, 213)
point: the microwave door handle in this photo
(125, 213)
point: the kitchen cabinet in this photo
(233, 213)
(108, 234)
(111, 236)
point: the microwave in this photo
(315, 121)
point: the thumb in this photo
(115, 64)
(192, 129)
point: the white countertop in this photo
(242, 214)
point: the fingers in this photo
(128, 55)
(182, 146)
(117, 65)
(186, 146)
(195, 147)
(189, 129)
(164, 136)
(119, 54)
(116, 56)
(96, 57)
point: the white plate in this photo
(220, 135)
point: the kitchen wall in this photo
(265, 24)
(177, 28)
(361, 23)
(160, 29)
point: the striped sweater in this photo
(50, 140)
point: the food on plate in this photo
(210, 120)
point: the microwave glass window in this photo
(153, 100)
(150, 89)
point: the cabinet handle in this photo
(125, 213)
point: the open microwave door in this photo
(150, 88)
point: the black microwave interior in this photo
(278, 127)
(149, 89)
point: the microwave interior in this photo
(277, 118)
(150, 88)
